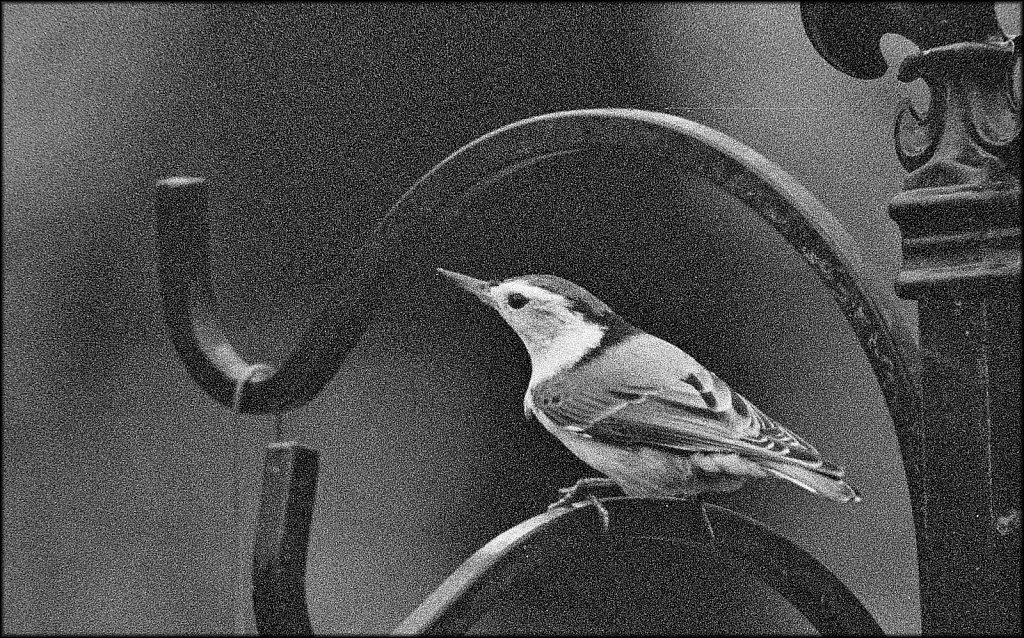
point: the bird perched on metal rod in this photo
(638, 409)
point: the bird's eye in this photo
(517, 301)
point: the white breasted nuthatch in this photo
(638, 409)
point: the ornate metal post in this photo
(959, 213)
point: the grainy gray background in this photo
(309, 122)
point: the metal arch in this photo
(726, 540)
(189, 301)
(404, 240)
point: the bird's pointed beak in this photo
(481, 289)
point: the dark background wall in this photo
(309, 121)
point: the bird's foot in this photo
(583, 490)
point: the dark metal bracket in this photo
(405, 241)
(282, 538)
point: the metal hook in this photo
(190, 306)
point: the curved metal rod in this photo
(674, 528)
(406, 240)
(183, 247)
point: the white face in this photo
(537, 315)
(555, 335)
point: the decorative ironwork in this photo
(403, 240)
(963, 154)
(959, 213)
(406, 240)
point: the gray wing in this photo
(668, 401)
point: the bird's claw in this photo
(602, 512)
(580, 491)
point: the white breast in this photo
(564, 351)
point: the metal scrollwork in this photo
(970, 135)
(410, 228)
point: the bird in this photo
(636, 408)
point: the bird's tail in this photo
(830, 487)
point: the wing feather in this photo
(691, 410)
